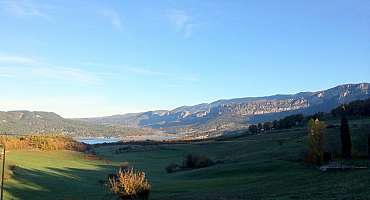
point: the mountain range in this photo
(202, 119)
(26, 122)
(238, 113)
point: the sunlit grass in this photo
(267, 166)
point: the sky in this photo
(96, 58)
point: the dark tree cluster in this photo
(267, 126)
(253, 128)
(284, 123)
(289, 122)
(191, 161)
(360, 108)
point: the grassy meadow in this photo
(265, 166)
(63, 175)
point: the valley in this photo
(184, 100)
(186, 122)
(263, 166)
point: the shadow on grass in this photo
(59, 184)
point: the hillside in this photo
(266, 166)
(26, 122)
(235, 113)
(203, 119)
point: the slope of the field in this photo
(55, 175)
(267, 166)
(256, 167)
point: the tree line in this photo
(359, 108)
(284, 123)
(317, 127)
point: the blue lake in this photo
(97, 140)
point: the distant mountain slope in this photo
(26, 122)
(239, 111)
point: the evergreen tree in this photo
(345, 138)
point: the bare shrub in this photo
(129, 184)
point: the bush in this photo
(173, 167)
(129, 184)
(193, 161)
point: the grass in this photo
(266, 166)
(55, 175)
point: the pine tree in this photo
(345, 138)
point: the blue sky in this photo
(96, 58)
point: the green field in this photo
(55, 175)
(266, 166)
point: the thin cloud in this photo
(65, 74)
(13, 66)
(182, 21)
(117, 69)
(12, 59)
(25, 8)
(174, 76)
(4, 75)
(114, 17)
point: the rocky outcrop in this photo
(244, 110)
